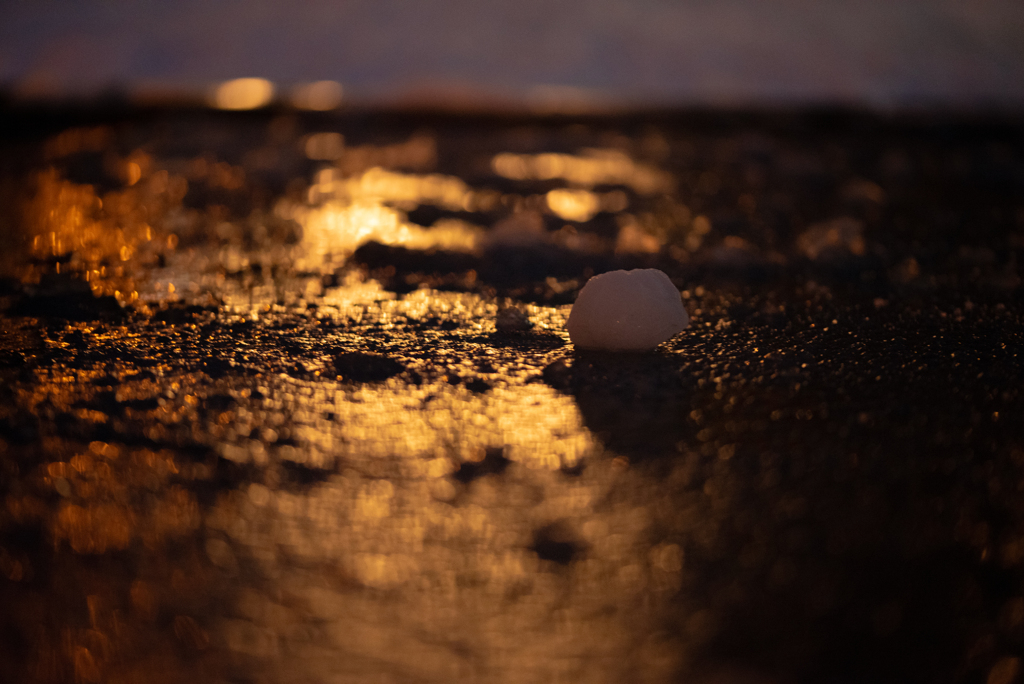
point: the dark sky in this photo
(875, 52)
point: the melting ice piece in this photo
(627, 311)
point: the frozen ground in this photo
(258, 422)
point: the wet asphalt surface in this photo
(268, 413)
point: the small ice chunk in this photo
(627, 311)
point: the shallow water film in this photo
(290, 398)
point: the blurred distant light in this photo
(320, 96)
(510, 165)
(573, 205)
(243, 93)
(325, 146)
(133, 173)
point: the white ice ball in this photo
(627, 311)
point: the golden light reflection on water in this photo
(380, 185)
(347, 212)
(414, 586)
(335, 229)
(100, 509)
(391, 564)
(592, 167)
(356, 200)
(101, 239)
(532, 425)
(422, 549)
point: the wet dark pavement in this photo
(266, 414)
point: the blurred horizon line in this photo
(464, 98)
